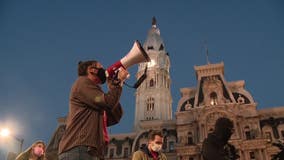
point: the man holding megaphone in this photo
(91, 110)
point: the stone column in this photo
(259, 154)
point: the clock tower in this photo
(153, 97)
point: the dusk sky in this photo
(41, 42)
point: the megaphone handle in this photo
(113, 69)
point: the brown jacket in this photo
(144, 154)
(84, 125)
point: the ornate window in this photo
(125, 152)
(189, 138)
(213, 98)
(252, 155)
(268, 136)
(187, 105)
(247, 133)
(241, 99)
(150, 104)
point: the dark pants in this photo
(77, 153)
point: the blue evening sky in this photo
(41, 42)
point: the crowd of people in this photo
(91, 111)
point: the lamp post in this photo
(5, 132)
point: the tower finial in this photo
(207, 56)
(206, 51)
(154, 21)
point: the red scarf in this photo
(154, 155)
(106, 138)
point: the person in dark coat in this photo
(280, 155)
(216, 145)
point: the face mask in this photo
(156, 147)
(38, 151)
(102, 75)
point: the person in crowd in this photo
(35, 152)
(152, 151)
(91, 110)
(216, 145)
(280, 145)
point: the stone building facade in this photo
(198, 109)
(214, 97)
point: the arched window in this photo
(268, 136)
(151, 83)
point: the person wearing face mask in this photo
(216, 145)
(91, 110)
(153, 151)
(35, 152)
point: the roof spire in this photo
(206, 51)
(207, 56)
(154, 22)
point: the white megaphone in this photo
(136, 55)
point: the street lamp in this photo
(5, 132)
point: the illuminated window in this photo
(268, 136)
(213, 98)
